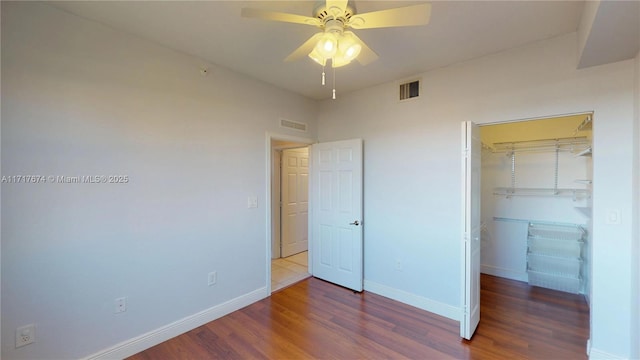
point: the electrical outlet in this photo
(212, 278)
(121, 305)
(25, 335)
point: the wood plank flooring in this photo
(314, 319)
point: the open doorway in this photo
(289, 197)
(536, 181)
(335, 246)
(536, 201)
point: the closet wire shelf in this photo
(554, 256)
(556, 231)
(575, 194)
(550, 281)
(554, 265)
(575, 144)
(571, 144)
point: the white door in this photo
(295, 201)
(471, 162)
(336, 213)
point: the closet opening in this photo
(536, 202)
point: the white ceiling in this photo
(613, 32)
(215, 32)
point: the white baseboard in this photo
(504, 273)
(420, 302)
(595, 354)
(157, 336)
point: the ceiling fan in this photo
(333, 18)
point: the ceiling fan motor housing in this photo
(334, 26)
(329, 15)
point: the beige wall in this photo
(539, 129)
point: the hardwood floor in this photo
(315, 319)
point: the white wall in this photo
(81, 99)
(1, 276)
(412, 169)
(635, 255)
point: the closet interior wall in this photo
(538, 184)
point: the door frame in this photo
(593, 192)
(269, 136)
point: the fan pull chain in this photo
(334, 84)
(323, 75)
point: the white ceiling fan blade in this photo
(366, 55)
(336, 7)
(278, 16)
(304, 49)
(404, 16)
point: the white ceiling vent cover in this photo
(410, 90)
(293, 125)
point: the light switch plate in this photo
(613, 217)
(252, 202)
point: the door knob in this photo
(356, 223)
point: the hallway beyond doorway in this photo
(289, 270)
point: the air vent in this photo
(293, 125)
(410, 90)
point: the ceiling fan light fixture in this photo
(353, 51)
(315, 56)
(334, 42)
(339, 62)
(327, 45)
(348, 47)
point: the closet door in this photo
(471, 163)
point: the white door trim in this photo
(276, 158)
(269, 136)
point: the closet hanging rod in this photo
(560, 148)
(563, 144)
(568, 139)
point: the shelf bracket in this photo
(513, 169)
(555, 179)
